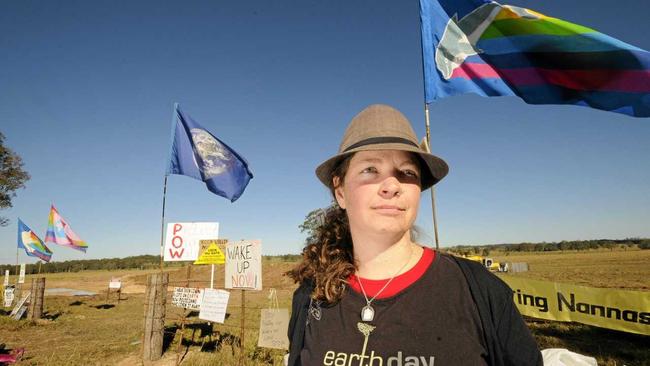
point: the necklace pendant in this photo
(367, 313)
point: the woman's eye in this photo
(410, 173)
(370, 169)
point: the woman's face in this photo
(380, 191)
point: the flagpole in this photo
(162, 224)
(17, 266)
(433, 194)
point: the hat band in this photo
(380, 140)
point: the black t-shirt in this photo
(432, 322)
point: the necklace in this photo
(368, 312)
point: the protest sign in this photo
(182, 239)
(209, 252)
(622, 310)
(244, 265)
(8, 296)
(187, 297)
(274, 323)
(20, 304)
(21, 278)
(273, 328)
(19, 314)
(214, 305)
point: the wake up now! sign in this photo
(627, 311)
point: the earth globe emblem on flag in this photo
(213, 154)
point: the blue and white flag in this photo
(197, 153)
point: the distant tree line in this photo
(136, 262)
(553, 246)
(110, 264)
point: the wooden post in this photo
(36, 303)
(183, 319)
(154, 316)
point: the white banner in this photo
(21, 278)
(244, 265)
(182, 239)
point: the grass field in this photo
(94, 330)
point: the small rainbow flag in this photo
(483, 47)
(59, 232)
(32, 244)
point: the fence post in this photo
(36, 303)
(154, 316)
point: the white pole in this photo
(212, 277)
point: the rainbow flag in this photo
(32, 244)
(483, 47)
(59, 232)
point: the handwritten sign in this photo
(244, 265)
(187, 297)
(214, 305)
(21, 278)
(209, 252)
(8, 296)
(182, 239)
(273, 328)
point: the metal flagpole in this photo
(162, 220)
(162, 225)
(433, 193)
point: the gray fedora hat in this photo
(381, 127)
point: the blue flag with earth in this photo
(197, 153)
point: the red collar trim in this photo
(399, 283)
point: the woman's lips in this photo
(388, 209)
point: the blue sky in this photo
(86, 95)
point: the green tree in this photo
(12, 177)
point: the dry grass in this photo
(90, 330)
(622, 269)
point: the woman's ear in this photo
(338, 192)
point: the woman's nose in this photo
(390, 188)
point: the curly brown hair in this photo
(328, 258)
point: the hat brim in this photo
(433, 168)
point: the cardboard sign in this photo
(21, 278)
(115, 283)
(273, 329)
(182, 239)
(214, 305)
(20, 304)
(187, 297)
(8, 296)
(6, 283)
(209, 252)
(244, 265)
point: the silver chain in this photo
(387, 283)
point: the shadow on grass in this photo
(76, 303)
(51, 316)
(168, 336)
(104, 306)
(591, 341)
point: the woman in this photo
(369, 294)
